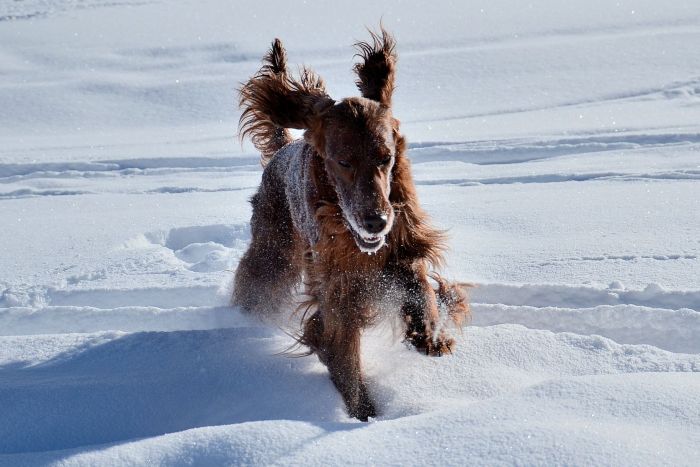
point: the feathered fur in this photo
(273, 101)
(378, 66)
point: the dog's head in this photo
(357, 137)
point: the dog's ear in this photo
(273, 96)
(376, 71)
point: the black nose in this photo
(375, 223)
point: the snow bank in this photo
(504, 393)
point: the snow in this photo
(557, 142)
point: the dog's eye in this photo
(385, 161)
(344, 164)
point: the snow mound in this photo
(574, 391)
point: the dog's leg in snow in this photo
(420, 311)
(337, 344)
(271, 267)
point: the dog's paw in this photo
(364, 411)
(363, 408)
(428, 345)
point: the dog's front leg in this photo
(337, 343)
(420, 312)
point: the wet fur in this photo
(343, 286)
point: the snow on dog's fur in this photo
(339, 208)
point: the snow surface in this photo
(558, 142)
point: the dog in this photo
(337, 211)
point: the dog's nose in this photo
(375, 223)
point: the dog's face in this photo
(359, 151)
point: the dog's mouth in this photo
(368, 244)
(366, 241)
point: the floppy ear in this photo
(273, 96)
(376, 71)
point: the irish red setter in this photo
(339, 209)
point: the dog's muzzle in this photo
(370, 234)
(375, 223)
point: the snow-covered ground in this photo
(558, 142)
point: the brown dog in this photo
(339, 208)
